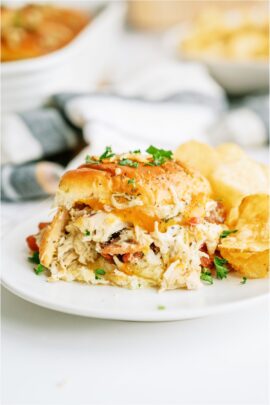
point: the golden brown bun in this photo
(156, 187)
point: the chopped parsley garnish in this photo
(206, 276)
(161, 307)
(98, 273)
(88, 159)
(136, 151)
(226, 233)
(221, 268)
(87, 233)
(160, 156)
(34, 258)
(132, 182)
(244, 280)
(107, 154)
(128, 162)
(39, 269)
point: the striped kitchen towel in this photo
(29, 180)
(168, 105)
(29, 140)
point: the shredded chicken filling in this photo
(169, 259)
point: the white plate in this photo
(236, 77)
(113, 302)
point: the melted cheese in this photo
(136, 217)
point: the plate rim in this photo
(149, 316)
(155, 316)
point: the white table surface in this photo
(54, 358)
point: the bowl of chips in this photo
(233, 44)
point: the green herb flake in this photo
(39, 269)
(132, 182)
(161, 307)
(87, 233)
(221, 268)
(136, 151)
(107, 154)
(17, 20)
(206, 276)
(98, 273)
(128, 162)
(244, 280)
(34, 258)
(227, 232)
(89, 160)
(160, 156)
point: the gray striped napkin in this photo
(37, 145)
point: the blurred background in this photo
(80, 75)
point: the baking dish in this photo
(79, 66)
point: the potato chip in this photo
(248, 263)
(254, 210)
(234, 180)
(232, 217)
(230, 171)
(229, 152)
(243, 186)
(247, 250)
(198, 155)
(252, 224)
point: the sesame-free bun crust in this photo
(97, 185)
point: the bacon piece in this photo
(217, 215)
(155, 248)
(116, 249)
(32, 243)
(128, 257)
(194, 220)
(43, 225)
(125, 258)
(205, 261)
(107, 257)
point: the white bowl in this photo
(236, 77)
(79, 66)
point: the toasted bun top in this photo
(145, 191)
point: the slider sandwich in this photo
(133, 220)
